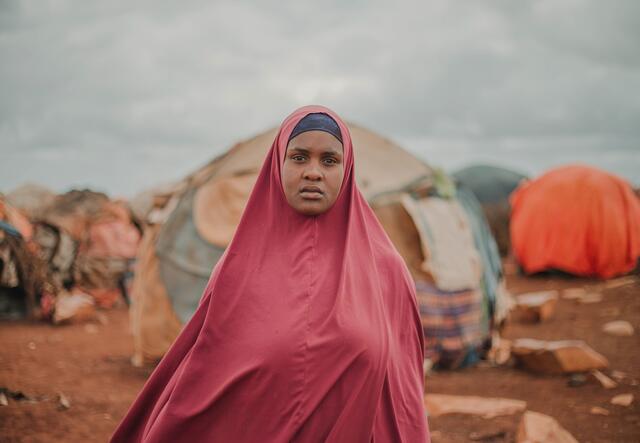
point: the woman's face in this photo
(312, 172)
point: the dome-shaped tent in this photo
(576, 219)
(188, 230)
(490, 184)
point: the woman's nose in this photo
(312, 172)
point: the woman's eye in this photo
(297, 158)
(330, 161)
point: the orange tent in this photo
(576, 219)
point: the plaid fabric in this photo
(452, 324)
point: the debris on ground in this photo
(557, 357)
(74, 308)
(597, 410)
(63, 401)
(540, 428)
(622, 400)
(16, 395)
(619, 328)
(535, 307)
(604, 380)
(486, 407)
(500, 352)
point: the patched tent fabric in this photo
(31, 199)
(16, 219)
(22, 273)
(447, 242)
(90, 242)
(153, 320)
(498, 303)
(461, 295)
(492, 186)
(576, 219)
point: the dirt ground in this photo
(88, 364)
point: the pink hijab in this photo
(307, 331)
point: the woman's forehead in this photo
(291, 121)
(316, 141)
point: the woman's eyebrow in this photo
(301, 150)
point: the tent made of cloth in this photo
(576, 219)
(453, 258)
(31, 199)
(190, 229)
(22, 274)
(91, 241)
(492, 186)
(15, 218)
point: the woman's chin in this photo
(311, 207)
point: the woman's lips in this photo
(311, 193)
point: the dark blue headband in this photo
(317, 122)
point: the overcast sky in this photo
(121, 95)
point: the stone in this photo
(500, 351)
(619, 328)
(622, 400)
(539, 428)
(535, 307)
(63, 401)
(557, 357)
(486, 407)
(605, 381)
(73, 308)
(597, 410)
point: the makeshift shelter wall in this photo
(447, 242)
(31, 199)
(154, 323)
(217, 223)
(497, 301)
(16, 219)
(457, 323)
(402, 231)
(185, 258)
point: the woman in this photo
(308, 328)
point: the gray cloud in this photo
(120, 97)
